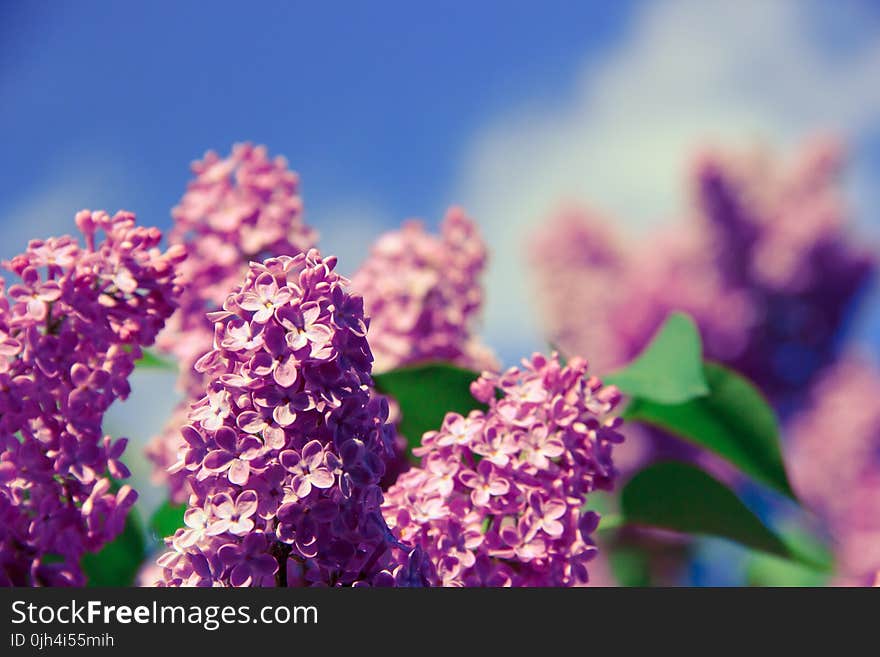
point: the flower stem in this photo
(281, 551)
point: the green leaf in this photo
(118, 562)
(733, 420)
(609, 522)
(683, 498)
(425, 393)
(669, 370)
(149, 360)
(767, 570)
(167, 519)
(630, 565)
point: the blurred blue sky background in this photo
(396, 109)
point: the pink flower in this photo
(290, 480)
(545, 515)
(486, 483)
(70, 332)
(211, 414)
(514, 516)
(424, 296)
(264, 299)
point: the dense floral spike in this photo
(834, 460)
(242, 208)
(285, 451)
(70, 332)
(764, 266)
(497, 500)
(424, 296)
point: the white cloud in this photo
(686, 72)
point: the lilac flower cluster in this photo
(242, 208)
(286, 448)
(70, 331)
(838, 434)
(779, 234)
(424, 296)
(764, 265)
(238, 209)
(498, 498)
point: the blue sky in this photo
(397, 109)
(394, 109)
(371, 102)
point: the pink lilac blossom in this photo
(241, 208)
(424, 296)
(71, 329)
(498, 497)
(833, 455)
(604, 297)
(764, 264)
(285, 451)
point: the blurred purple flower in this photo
(241, 208)
(833, 455)
(423, 295)
(764, 264)
(424, 298)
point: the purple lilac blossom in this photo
(286, 449)
(241, 208)
(71, 329)
(838, 434)
(498, 497)
(780, 234)
(764, 264)
(424, 297)
(584, 270)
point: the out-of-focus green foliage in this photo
(167, 519)
(118, 562)
(683, 498)
(149, 360)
